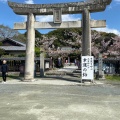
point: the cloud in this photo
(108, 30)
(26, 1)
(50, 18)
(44, 18)
(29, 2)
(3, 1)
(69, 18)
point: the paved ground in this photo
(59, 98)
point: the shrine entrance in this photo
(57, 10)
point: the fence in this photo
(17, 63)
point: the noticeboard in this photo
(47, 65)
(87, 67)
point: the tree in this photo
(6, 32)
(20, 37)
(37, 34)
(115, 47)
(37, 51)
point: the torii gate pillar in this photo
(30, 43)
(86, 33)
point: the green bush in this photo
(22, 55)
(37, 51)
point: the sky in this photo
(111, 15)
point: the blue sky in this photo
(111, 15)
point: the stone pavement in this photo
(55, 80)
(59, 98)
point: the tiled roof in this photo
(15, 41)
(13, 48)
(22, 46)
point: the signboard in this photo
(57, 15)
(47, 65)
(87, 67)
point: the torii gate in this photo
(31, 10)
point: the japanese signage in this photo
(57, 14)
(87, 67)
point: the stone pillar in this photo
(100, 65)
(51, 63)
(68, 59)
(30, 44)
(86, 33)
(42, 64)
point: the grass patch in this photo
(113, 77)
